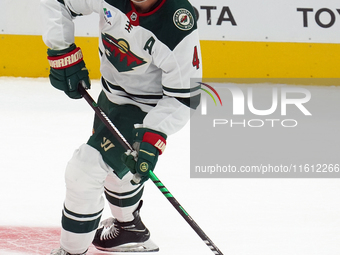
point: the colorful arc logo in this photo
(209, 93)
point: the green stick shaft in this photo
(184, 213)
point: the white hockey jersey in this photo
(147, 59)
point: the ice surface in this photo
(41, 127)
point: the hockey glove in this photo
(148, 144)
(68, 70)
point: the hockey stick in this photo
(107, 122)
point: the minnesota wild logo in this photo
(119, 54)
(183, 19)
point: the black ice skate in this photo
(117, 236)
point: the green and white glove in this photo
(68, 70)
(148, 144)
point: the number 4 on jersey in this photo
(196, 60)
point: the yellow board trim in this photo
(25, 56)
(270, 59)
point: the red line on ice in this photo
(32, 240)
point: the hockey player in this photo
(149, 50)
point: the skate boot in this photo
(61, 251)
(130, 236)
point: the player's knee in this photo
(83, 175)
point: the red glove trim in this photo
(64, 61)
(156, 140)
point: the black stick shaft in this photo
(102, 116)
(107, 122)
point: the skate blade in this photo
(147, 246)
